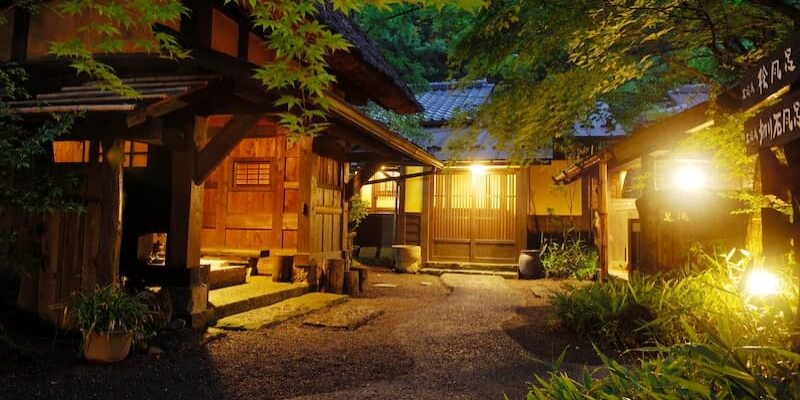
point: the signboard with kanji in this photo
(780, 68)
(775, 125)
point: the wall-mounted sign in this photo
(775, 125)
(779, 69)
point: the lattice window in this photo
(135, 154)
(78, 151)
(251, 174)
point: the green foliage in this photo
(27, 183)
(706, 339)
(408, 126)
(568, 258)
(650, 311)
(715, 370)
(109, 309)
(415, 40)
(359, 209)
(567, 56)
(109, 33)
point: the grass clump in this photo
(698, 336)
(568, 258)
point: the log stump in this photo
(334, 276)
(282, 269)
(362, 277)
(351, 285)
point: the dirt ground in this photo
(457, 336)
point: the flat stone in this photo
(344, 317)
(274, 314)
(211, 334)
(385, 285)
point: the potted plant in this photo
(109, 319)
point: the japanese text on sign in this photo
(781, 68)
(774, 126)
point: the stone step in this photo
(258, 292)
(274, 314)
(472, 266)
(441, 271)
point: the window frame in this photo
(251, 187)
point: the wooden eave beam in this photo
(223, 143)
(380, 133)
(661, 135)
(398, 178)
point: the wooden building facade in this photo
(651, 203)
(197, 159)
(481, 210)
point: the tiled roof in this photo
(484, 148)
(445, 98)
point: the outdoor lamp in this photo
(760, 283)
(478, 169)
(689, 177)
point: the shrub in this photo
(110, 309)
(714, 370)
(359, 210)
(707, 339)
(569, 258)
(650, 311)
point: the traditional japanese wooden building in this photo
(482, 208)
(196, 160)
(651, 202)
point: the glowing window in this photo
(135, 154)
(250, 174)
(71, 151)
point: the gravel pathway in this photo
(458, 336)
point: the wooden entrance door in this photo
(474, 217)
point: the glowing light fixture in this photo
(478, 169)
(689, 177)
(760, 282)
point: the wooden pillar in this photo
(792, 151)
(278, 192)
(523, 189)
(186, 202)
(188, 286)
(602, 171)
(648, 218)
(306, 174)
(110, 238)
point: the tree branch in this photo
(780, 7)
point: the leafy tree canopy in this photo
(416, 40)
(557, 59)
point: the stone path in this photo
(458, 346)
(454, 337)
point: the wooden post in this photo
(603, 211)
(282, 271)
(334, 276)
(306, 172)
(110, 238)
(278, 193)
(189, 290)
(648, 261)
(351, 285)
(792, 151)
(186, 202)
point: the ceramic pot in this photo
(529, 265)
(107, 348)
(407, 258)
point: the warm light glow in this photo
(760, 282)
(478, 169)
(689, 177)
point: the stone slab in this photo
(274, 314)
(344, 317)
(442, 271)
